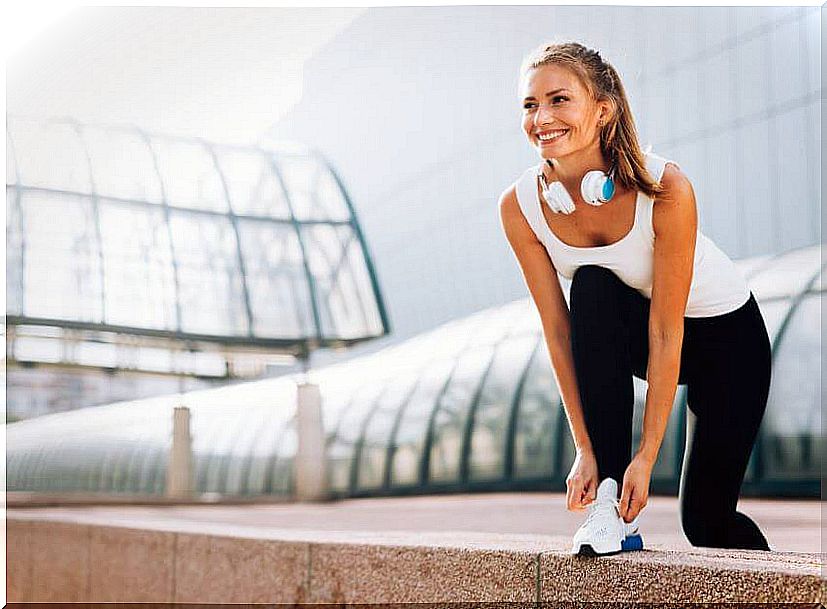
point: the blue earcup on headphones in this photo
(597, 188)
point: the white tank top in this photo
(718, 286)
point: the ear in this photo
(605, 111)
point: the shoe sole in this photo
(587, 550)
(629, 544)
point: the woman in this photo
(651, 296)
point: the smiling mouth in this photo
(553, 136)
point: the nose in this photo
(544, 115)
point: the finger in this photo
(634, 510)
(625, 499)
(577, 494)
(591, 490)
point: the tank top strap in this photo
(655, 165)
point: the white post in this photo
(180, 482)
(309, 464)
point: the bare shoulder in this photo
(676, 185)
(675, 211)
(514, 224)
(508, 202)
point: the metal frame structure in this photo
(39, 448)
(31, 174)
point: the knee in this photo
(591, 279)
(695, 530)
(592, 287)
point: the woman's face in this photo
(558, 109)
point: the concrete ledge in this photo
(58, 557)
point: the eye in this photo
(529, 105)
(556, 97)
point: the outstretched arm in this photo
(544, 286)
(675, 222)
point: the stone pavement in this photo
(790, 525)
(498, 547)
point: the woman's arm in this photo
(675, 221)
(541, 278)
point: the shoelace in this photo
(601, 507)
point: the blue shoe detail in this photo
(631, 543)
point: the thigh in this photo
(636, 309)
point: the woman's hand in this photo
(635, 493)
(582, 481)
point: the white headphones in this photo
(596, 188)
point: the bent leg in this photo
(727, 397)
(603, 367)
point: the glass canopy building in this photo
(470, 405)
(175, 258)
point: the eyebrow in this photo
(549, 94)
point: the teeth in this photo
(551, 135)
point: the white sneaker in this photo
(604, 530)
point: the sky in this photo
(224, 74)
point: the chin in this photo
(546, 154)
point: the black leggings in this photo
(725, 363)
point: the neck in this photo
(570, 169)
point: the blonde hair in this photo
(618, 137)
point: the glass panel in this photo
(788, 274)
(347, 306)
(282, 480)
(189, 175)
(792, 439)
(410, 436)
(525, 319)
(138, 275)
(488, 435)
(276, 280)
(233, 421)
(752, 265)
(667, 465)
(489, 327)
(253, 186)
(451, 416)
(263, 456)
(244, 436)
(138, 453)
(62, 264)
(774, 313)
(313, 192)
(64, 166)
(122, 165)
(376, 438)
(211, 293)
(341, 447)
(337, 385)
(819, 283)
(538, 419)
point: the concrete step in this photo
(94, 557)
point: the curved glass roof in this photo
(112, 230)
(470, 405)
